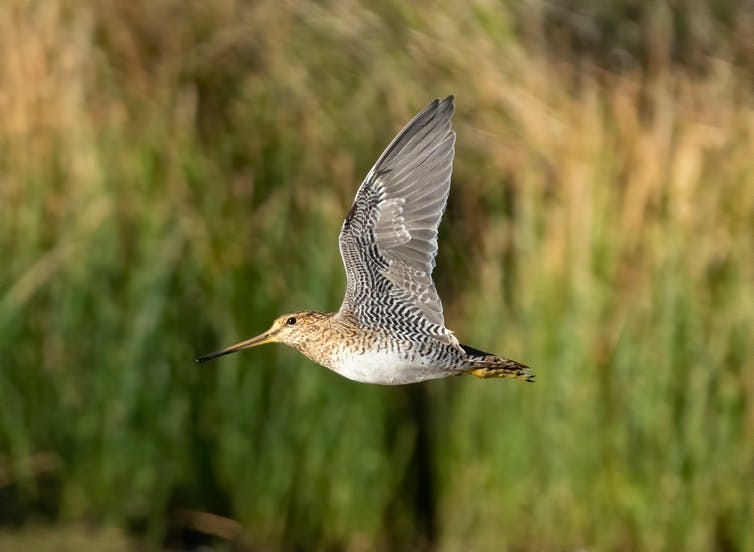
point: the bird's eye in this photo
(291, 321)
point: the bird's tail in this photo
(486, 365)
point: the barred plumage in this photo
(390, 328)
(389, 239)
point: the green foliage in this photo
(174, 175)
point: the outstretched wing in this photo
(389, 238)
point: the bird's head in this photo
(292, 329)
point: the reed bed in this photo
(173, 175)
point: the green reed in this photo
(172, 177)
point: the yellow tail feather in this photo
(523, 374)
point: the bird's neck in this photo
(321, 344)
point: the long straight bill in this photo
(253, 342)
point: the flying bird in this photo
(390, 328)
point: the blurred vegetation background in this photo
(174, 174)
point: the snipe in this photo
(390, 328)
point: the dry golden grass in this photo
(174, 174)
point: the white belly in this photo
(386, 368)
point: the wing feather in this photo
(389, 239)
